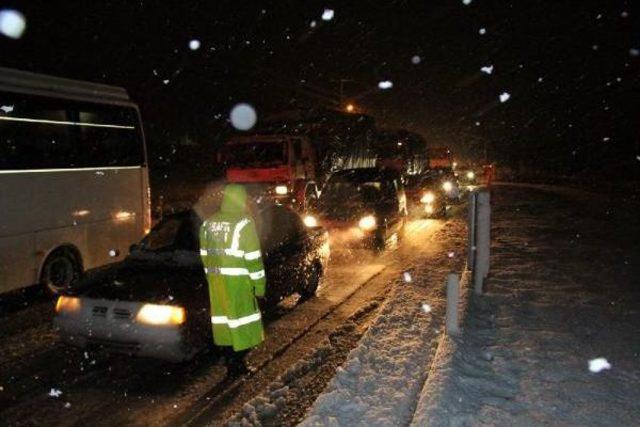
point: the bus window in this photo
(41, 133)
(33, 135)
(110, 138)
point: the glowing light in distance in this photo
(367, 223)
(310, 221)
(428, 197)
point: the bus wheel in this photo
(61, 271)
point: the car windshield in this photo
(173, 233)
(353, 191)
(252, 154)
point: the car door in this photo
(283, 247)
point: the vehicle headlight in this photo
(428, 209)
(154, 314)
(428, 197)
(447, 186)
(471, 175)
(367, 223)
(67, 304)
(310, 221)
(281, 190)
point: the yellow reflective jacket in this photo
(230, 251)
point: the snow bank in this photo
(380, 382)
(556, 301)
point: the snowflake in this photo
(327, 15)
(466, 2)
(482, 31)
(504, 97)
(415, 60)
(598, 364)
(243, 116)
(407, 277)
(194, 44)
(385, 84)
(54, 392)
(426, 308)
(7, 108)
(487, 70)
(12, 23)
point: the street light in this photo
(350, 108)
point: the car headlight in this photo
(447, 186)
(428, 209)
(428, 197)
(281, 190)
(154, 314)
(367, 223)
(310, 221)
(471, 175)
(67, 304)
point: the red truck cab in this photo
(279, 166)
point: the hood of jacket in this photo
(234, 199)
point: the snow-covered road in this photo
(102, 389)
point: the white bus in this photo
(74, 184)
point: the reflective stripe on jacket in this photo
(232, 259)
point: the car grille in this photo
(99, 311)
(117, 313)
(121, 314)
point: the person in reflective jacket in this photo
(232, 260)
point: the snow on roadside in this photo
(557, 305)
(382, 377)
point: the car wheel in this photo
(61, 271)
(311, 283)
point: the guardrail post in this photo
(453, 295)
(471, 255)
(483, 240)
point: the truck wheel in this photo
(61, 271)
(311, 282)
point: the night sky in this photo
(571, 68)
